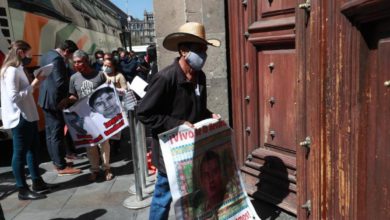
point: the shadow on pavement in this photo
(7, 185)
(1, 213)
(87, 216)
(82, 179)
(6, 190)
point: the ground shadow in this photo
(7, 184)
(124, 154)
(272, 189)
(1, 213)
(82, 180)
(86, 216)
(6, 190)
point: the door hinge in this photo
(305, 6)
(307, 206)
(245, 3)
(306, 143)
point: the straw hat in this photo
(191, 32)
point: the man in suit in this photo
(53, 96)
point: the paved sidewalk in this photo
(75, 198)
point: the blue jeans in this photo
(54, 128)
(162, 198)
(25, 146)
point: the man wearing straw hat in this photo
(176, 95)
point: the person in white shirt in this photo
(19, 113)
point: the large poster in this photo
(96, 117)
(203, 177)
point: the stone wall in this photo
(170, 14)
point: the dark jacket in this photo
(55, 87)
(97, 66)
(129, 68)
(169, 101)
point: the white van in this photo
(140, 50)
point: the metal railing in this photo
(141, 189)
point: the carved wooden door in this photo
(267, 101)
(370, 21)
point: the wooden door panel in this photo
(277, 99)
(272, 8)
(378, 187)
(272, 178)
(372, 175)
(267, 36)
(383, 135)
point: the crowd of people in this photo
(59, 90)
(176, 95)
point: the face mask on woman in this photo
(196, 60)
(107, 69)
(26, 60)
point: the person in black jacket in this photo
(176, 95)
(53, 98)
(97, 65)
(128, 65)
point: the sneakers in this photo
(68, 171)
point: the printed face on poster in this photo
(96, 117)
(203, 177)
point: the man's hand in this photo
(40, 76)
(121, 91)
(216, 116)
(189, 124)
(63, 103)
(72, 99)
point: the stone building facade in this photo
(142, 31)
(170, 14)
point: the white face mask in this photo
(196, 60)
(107, 69)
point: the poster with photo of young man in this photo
(96, 117)
(204, 179)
